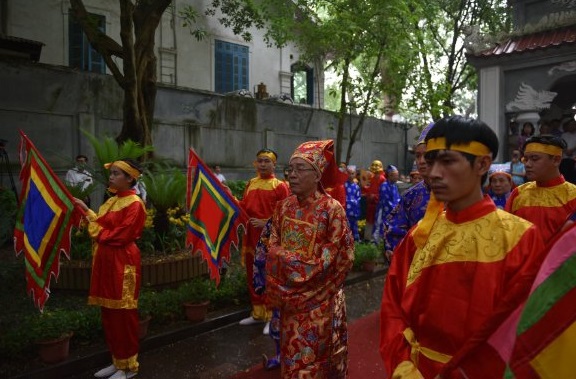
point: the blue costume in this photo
(388, 198)
(259, 281)
(406, 214)
(353, 207)
(499, 177)
(499, 200)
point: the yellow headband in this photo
(267, 154)
(536, 147)
(474, 147)
(124, 167)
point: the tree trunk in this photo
(343, 108)
(364, 112)
(138, 24)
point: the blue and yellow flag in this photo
(216, 221)
(45, 216)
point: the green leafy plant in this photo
(80, 244)
(107, 150)
(166, 190)
(79, 191)
(365, 252)
(197, 290)
(236, 187)
(52, 324)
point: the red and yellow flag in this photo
(45, 217)
(216, 221)
(544, 339)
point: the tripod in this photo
(5, 166)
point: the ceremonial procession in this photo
(288, 190)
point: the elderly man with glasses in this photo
(310, 252)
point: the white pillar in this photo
(491, 104)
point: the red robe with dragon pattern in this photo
(311, 250)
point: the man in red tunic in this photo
(116, 268)
(260, 197)
(461, 270)
(372, 195)
(547, 200)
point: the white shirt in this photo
(221, 178)
(75, 177)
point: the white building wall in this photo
(182, 60)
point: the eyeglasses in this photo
(297, 170)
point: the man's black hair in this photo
(82, 156)
(462, 130)
(546, 139)
(134, 164)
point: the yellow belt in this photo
(417, 349)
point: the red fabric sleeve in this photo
(393, 346)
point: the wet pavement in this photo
(218, 348)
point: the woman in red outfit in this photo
(116, 270)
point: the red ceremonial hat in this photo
(320, 154)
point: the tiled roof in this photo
(532, 42)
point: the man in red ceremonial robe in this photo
(547, 200)
(310, 253)
(461, 270)
(260, 197)
(372, 196)
(116, 267)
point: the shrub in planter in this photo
(52, 331)
(52, 324)
(365, 253)
(196, 295)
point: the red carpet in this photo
(363, 356)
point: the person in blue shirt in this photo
(412, 205)
(517, 169)
(500, 184)
(352, 201)
(388, 197)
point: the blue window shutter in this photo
(231, 67)
(80, 52)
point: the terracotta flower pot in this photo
(196, 312)
(56, 350)
(369, 266)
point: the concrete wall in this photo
(51, 103)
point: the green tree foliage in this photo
(438, 82)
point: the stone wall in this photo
(51, 103)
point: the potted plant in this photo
(196, 296)
(145, 306)
(52, 330)
(365, 256)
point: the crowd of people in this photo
(464, 243)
